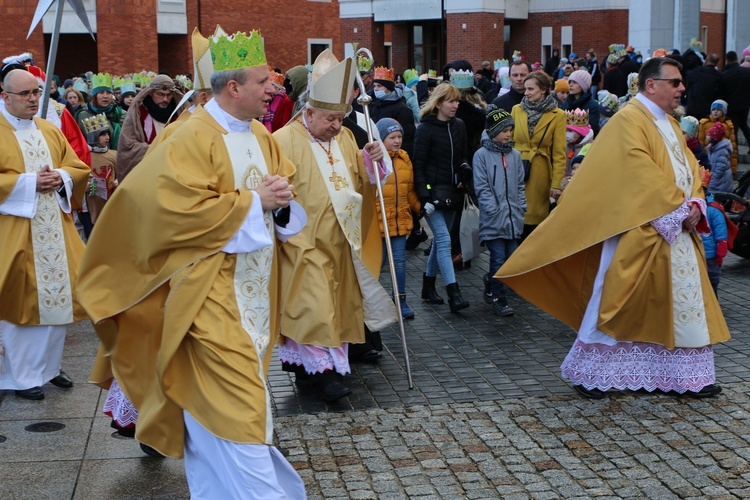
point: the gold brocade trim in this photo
(54, 293)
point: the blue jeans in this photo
(398, 245)
(500, 249)
(714, 273)
(440, 256)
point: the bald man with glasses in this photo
(41, 250)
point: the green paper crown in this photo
(237, 52)
(184, 81)
(363, 63)
(100, 80)
(142, 80)
(410, 75)
(432, 73)
(117, 82)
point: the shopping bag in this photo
(469, 231)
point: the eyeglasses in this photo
(163, 95)
(26, 93)
(676, 82)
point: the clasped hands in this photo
(48, 180)
(275, 192)
(692, 220)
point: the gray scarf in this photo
(497, 147)
(535, 110)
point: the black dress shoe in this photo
(150, 451)
(34, 393)
(331, 386)
(707, 392)
(590, 393)
(63, 381)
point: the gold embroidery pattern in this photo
(252, 178)
(48, 240)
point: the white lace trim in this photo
(119, 407)
(316, 359)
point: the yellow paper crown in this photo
(633, 83)
(276, 78)
(237, 51)
(383, 73)
(101, 81)
(95, 123)
(577, 118)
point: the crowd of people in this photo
(259, 224)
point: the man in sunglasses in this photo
(40, 253)
(632, 277)
(149, 113)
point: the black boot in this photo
(331, 385)
(428, 290)
(455, 301)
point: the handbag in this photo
(446, 197)
(469, 231)
(527, 163)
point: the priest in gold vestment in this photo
(39, 176)
(181, 283)
(621, 260)
(329, 271)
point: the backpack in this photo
(732, 228)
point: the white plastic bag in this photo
(469, 231)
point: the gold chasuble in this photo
(40, 256)
(183, 324)
(626, 181)
(329, 270)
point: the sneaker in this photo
(501, 309)
(487, 288)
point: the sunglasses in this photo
(676, 82)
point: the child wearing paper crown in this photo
(578, 133)
(501, 194)
(689, 127)
(716, 242)
(719, 154)
(400, 199)
(718, 113)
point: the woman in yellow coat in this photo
(540, 138)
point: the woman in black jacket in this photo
(440, 167)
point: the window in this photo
(315, 46)
(704, 38)
(566, 41)
(546, 43)
(425, 40)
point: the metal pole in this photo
(52, 56)
(365, 100)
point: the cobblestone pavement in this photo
(489, 417)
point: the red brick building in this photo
(155, 35)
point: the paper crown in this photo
(505, 81)
(432, 73)
(462, 79)
(660, 53)
(618, 49)
(184, 82)
(517, 56)
(363, 63)
(203, 65)
(100, 82)
(633, 83)
(383, 73)
(237, 51)
(81, 85)
(577, 117)
(689, 125)
(142, 79)
(410, 75)
(608, 103)
(127, 86)
(117, 82)
(696, 44)
(95, 123)
(705, 177)
(276, 78)
(500, 63)
(332, 82)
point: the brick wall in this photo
(175, 56)
(481, 40)
(716, 41)
(370, 35)
(126, 36)
(17, 16)
(400, 46)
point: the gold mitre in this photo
(203, 65)
(332, 82)
(238, 51)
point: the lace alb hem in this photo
(316, 359)
(639, 365)
(119, 407)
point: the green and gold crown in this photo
(95, 123)
(184, 81)
(101, 81)
(142, 79)
(364, 64)
(409, 75)
(432, 73)
(237, 51)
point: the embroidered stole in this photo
(48, 239)
(378, 308)
(252, 272)
(689, 316)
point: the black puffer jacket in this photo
(439, 151)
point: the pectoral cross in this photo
(249, 153)
(338, 181)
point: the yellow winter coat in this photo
(399, 196)
(707, 123)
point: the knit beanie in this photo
(561, 85)
(582, 78)
(689, 125)
(388, 126)
(497, 120)
(717, 131)
(720, 104)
